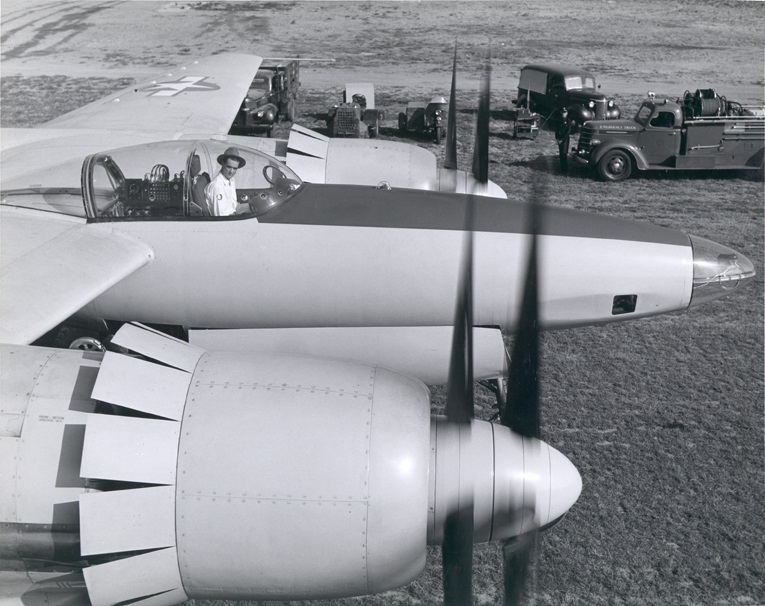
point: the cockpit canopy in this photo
(167, 180)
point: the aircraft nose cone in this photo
(565, 486)
(717, 270)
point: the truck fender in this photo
(270, 114)
(632, 150)
(579, 114)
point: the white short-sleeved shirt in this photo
(220, 195)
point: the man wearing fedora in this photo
(220, 193)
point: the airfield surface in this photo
(663, 417)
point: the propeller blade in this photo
(521, 411)
(521, 414)
(459, 387)
(457, 553)
(457, 547)
(481, 148)
(518, 552)
(450, 154)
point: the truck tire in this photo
(615, 165)
(402, 123)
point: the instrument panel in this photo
(147, 198)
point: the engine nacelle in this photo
(244, 475)
(319, 159)
(288, 491)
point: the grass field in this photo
(663, 417)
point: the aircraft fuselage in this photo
(358, 256)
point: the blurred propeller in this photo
(457, 548)
(481, 148)
(521, 412)
(450, 154)
(518, 552)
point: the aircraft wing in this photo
(203, 97)
(53, 265)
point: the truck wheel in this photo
(373, 132)
(616, 165)
(402, 124)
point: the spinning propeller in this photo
(521, 414)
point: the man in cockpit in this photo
(220, 193)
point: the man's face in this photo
(229, 168)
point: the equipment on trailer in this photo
(526, 125)
(429, 118)
(356, 116)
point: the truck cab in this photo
(550, 88)
(272, 96)
(660, 137)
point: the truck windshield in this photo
(643, 114)
(579, 82)
(261, 83)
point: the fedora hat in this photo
(231, 152)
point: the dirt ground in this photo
(663, 417)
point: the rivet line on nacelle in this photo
(285, 387)
(275, 500)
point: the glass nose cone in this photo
(717, 270)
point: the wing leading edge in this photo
(202, 97)
(52, 266)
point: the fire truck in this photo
(700, 131)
